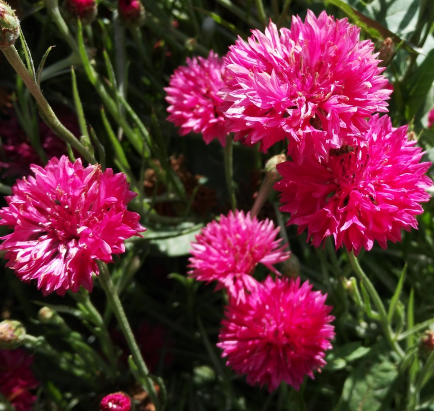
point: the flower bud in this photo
(426, 344)
(270, 165)
(118, 401)
(291, 267)
(85, 10)
(386, 51)
(12, 334)
(9, 25)
(131, 12)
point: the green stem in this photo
(377, 302)
(83, 298)
(109, 288)
(228, 159)
(47, 112)
(261, 12)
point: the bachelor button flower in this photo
(17, 379)
(431, 118)
(228, 252)
(361, 194)
(278, 334)
(314, 85)
(192, 95)
(85, 10)
(116, 402)
(131, 12)
(65, 218)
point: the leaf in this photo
(41, 65)
(419, 84)
(175, 246)
(369, 387)
(396, 295)
(339, 358)
(372, 26)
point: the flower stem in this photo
(46, 111)
(261, 12)
(377, 302)
(108, 286)
(228, 151)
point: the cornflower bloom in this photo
(65, 218)
(17, 379)
(279, 333)
(229, 250)
(314, 84)
(193, 99)
(116, 402)
(361, 194)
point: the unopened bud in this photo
(85, 10)
(431, 119)
(9, 25)
(12, 334)
(271, 164)
(426, 344)
(131, 12)
(386, 51)
(46, 315)
(411, 136)
(291, 267)
(118, 401)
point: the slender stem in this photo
(228, 151)
(264, 193)
(261, 12)
(109, 288)
(377, 302)
(47, 112)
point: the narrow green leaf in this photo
(414, 329)
(101, 149)
(367, 301)
(410, 321)
(41, 65)
(223, 23)
(111, 75)
(28, 56)
(210, 349)
(396, 295)
(78, 105)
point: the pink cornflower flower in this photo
(65, 218)
(131, 12)
(314, 84)
(278, 334)
(431, 118)
(17, 379)
(116, 402)
(193, 99)
(361, 194)
(229, 250)
(85, 10)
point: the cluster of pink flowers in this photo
(65, 218)
(17, 379)
(276, 330)
(317, 85)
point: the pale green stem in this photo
(264, 193)
(377, 302)
(261, 12)
(228, 151)
(113, 298)
(47, 112)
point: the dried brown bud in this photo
(386, 51)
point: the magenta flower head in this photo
(278, 334)
(193, 99)
(431, 118)
(229, 250)
(17, 379)
(65, 218)
(314, 85)
(361, 194)
(116, 402)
